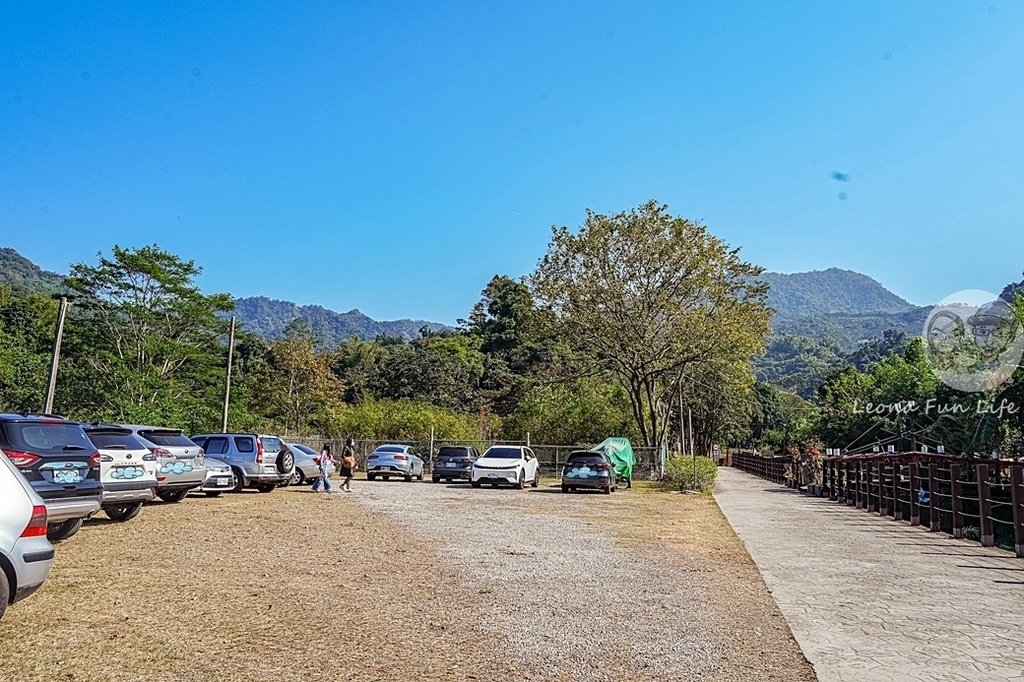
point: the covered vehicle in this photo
(619, 452)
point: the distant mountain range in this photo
(831, 291)
(270, 318)
(263, 316)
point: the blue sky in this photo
(393, 156)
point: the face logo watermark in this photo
(975, 341)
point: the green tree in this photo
(647, 296)
(299, 383)
(26, 338)
(147, 342)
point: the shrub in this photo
(679, 474)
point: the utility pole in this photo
(693, 447)
(51, 387)
(682, 427)
(227, 384)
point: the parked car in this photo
(513, 464)
(127, 469)
(180, 462)
(60, 463)
(394, 460)
(25, 553)
(218, 478)
(257, 461)
(305, 468)
(453, 463)
(588, 469)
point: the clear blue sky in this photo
(393, 156)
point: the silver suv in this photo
(257, 461)
(180, 462)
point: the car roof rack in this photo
(47, 415)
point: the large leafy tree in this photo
(148, 341)
(26, 337)
(299, 385)
(648, 296)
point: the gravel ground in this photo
(594, 587)
(405, 582)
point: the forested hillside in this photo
(24, 276)
(270, 319)
(820, 292)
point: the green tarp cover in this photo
(620, 453)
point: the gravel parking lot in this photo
(406, 581)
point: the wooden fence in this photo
(977, 499)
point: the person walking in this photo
(323, 461)
(348, 464)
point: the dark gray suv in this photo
(257, 461)
(453, 463)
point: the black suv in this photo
(61, 464)
(453, 463)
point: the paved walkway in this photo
(872, 599)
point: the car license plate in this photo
(224, 481)
(451, 465)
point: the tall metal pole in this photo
(227, 384)
(51, 387)
(693, 446)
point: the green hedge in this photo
(679, 474)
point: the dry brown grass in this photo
(297, 586)
(287, 586)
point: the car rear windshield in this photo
(271, 444)
(115, 440)
(453, 452)
(504, 453)
(585, 458)
(168, 439)
(390, 448)
(306, 449)
(47, 437)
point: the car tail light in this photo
(437, 460)
(259, 451)
(466, 461)
(37, 524)
(95, 459)
(201, 457)
(160, 452)
(401, 458)
(601, 467)
(22, 460)
(373, 456)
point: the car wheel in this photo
(298, 478)
(475, 484)
(172, 496)
(565, 488)
(607, 490)
(239, 481)
(435, 479)
(267, 487)
(213, 493)
(64, 530)
(521, 483)
(370, 477)
(123, 512)
(285, 462)
(536, 479)
(5, 592)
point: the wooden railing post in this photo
(1017, 496)
(833, 494)
(988, 538)
(897, 474)
(915, 483)
(871, 506)
(859, 480)
(933, 502)
(883, 504)
(956, 489)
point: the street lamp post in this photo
(51, 387)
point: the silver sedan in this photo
(394, 460)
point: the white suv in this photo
(513, 464)
(127, 469)
(25, 553)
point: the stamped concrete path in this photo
(873, 599)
